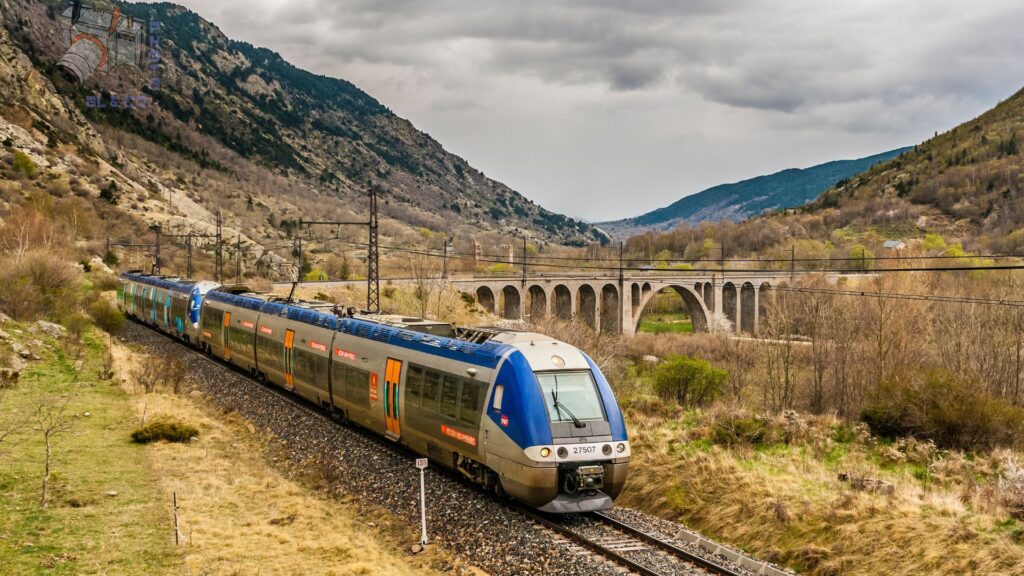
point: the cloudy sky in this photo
(604, 109)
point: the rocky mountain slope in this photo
(235, 128)
(965, 185)
(741, 200)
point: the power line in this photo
(735, 272)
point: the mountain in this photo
(966, 184)
(236, 128)
(961, 190)
(742, 200)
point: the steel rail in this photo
(587, 543)
(705, 563)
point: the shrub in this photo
(950, 411)
(107, 316)
(23, 164)
(39, 284)
(104, 282)
(109, 192)
(164, 430)
(740, 429)
(689, 381)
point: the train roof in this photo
(486, 354)
(168, 283)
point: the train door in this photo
(289, 356)
(225, 336)
(167, 311)
(392, 377)
(154, 298)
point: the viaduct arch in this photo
(615, 305)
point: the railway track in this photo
(623, 544)
(616, 541)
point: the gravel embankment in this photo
(470, 524)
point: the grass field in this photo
(239, 514)
(786, 502)
(667, 322)
(110, 508)
(84, 530)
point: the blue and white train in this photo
(519, 413)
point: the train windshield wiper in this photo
(559, 407)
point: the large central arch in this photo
(694, 306)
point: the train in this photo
(518, 413)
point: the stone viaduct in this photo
(614, 304)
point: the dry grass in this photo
(785, 503)
(240, 515)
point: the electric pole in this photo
(156, 254)
(188, 257)
(444, 260)
(373, 258)
(524, 261)
(238, 259)
(219, 262)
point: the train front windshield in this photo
(570, 394)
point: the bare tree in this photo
(10, 422)
(50, 419)
(425, 272)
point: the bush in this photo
(164, 430)
(738, 429)
(107, 316)
(689, 381)
(39, 284)
(23, 164)
(104, 282)
(943, 408)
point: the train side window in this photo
(468, 400)
(431, 383)
(450, 396)
(499, 394)
(413, 385)
(357, 386)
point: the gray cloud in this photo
(575, 103)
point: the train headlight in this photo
(620, 448)
(607, 449)
(562, 452)
(545, 452)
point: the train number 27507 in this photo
(583, 449)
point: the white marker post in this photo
(421, 463)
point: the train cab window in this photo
(450, 396)
(413, 385)
(569, 394)
(431, 384)
(499, 394)
(468, 403)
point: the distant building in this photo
(894, 245)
